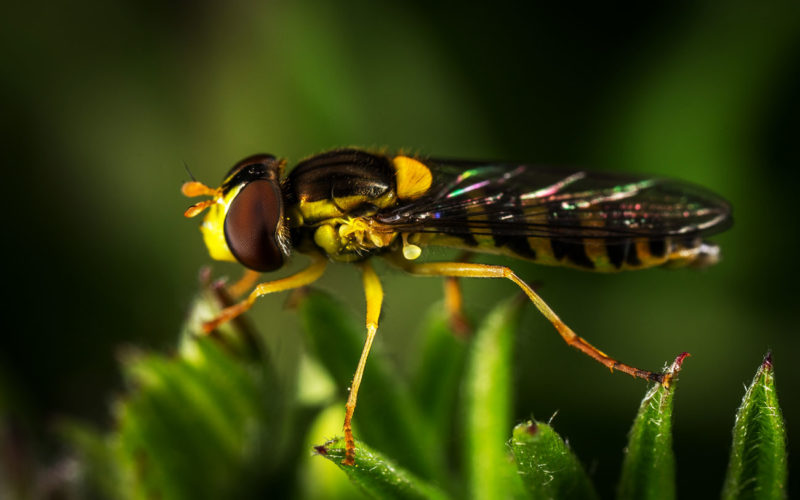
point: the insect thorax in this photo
(334, 197)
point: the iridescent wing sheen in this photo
(523, 200)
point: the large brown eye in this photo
(251, 226)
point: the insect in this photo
(348, 205)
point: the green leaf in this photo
(184, 418)
(546, 465)
(237, 337)
(209, 422)
(386, 415)
(378, 476)
(488, 404)
(96, 454)
(322, 478)
(648, 470)
(758, 467)
(438, 373)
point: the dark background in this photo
(102, 105)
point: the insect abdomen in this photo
(611, 256)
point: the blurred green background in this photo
(103, 103)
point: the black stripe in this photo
(623, 252)
(616, 253)
(658, 247)
(520, 246)
(512, 214)
(346, 172)
(632, 257)
(575, 252)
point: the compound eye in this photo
(251, 226)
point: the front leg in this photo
(305, 277)
(373, 291)
(244, 284)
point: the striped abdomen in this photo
(595, 230)
(591, 254)
(611, 256)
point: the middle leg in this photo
(468, 270)
(454, 302)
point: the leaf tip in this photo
(676, 365)
(767, 363)
(672, 372)
(327, 447)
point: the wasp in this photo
(349, 205)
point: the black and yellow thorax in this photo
(332, 200)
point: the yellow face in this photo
(213, 227)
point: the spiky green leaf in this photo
(648, 470)
(757, 467)
(378, 476)
(546, 465)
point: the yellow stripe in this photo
(645, 257)
(315, 211)
(596, 247)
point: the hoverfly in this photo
(348, 205)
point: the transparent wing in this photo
(523, 200)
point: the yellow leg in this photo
(374, 295)
(305, 277)
(245, 283)
(454, 303)
(467, 270)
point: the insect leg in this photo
(373, 292)
(454, 304)
(467, 270)
(245, 283)
(454, 301)
(305, 277)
